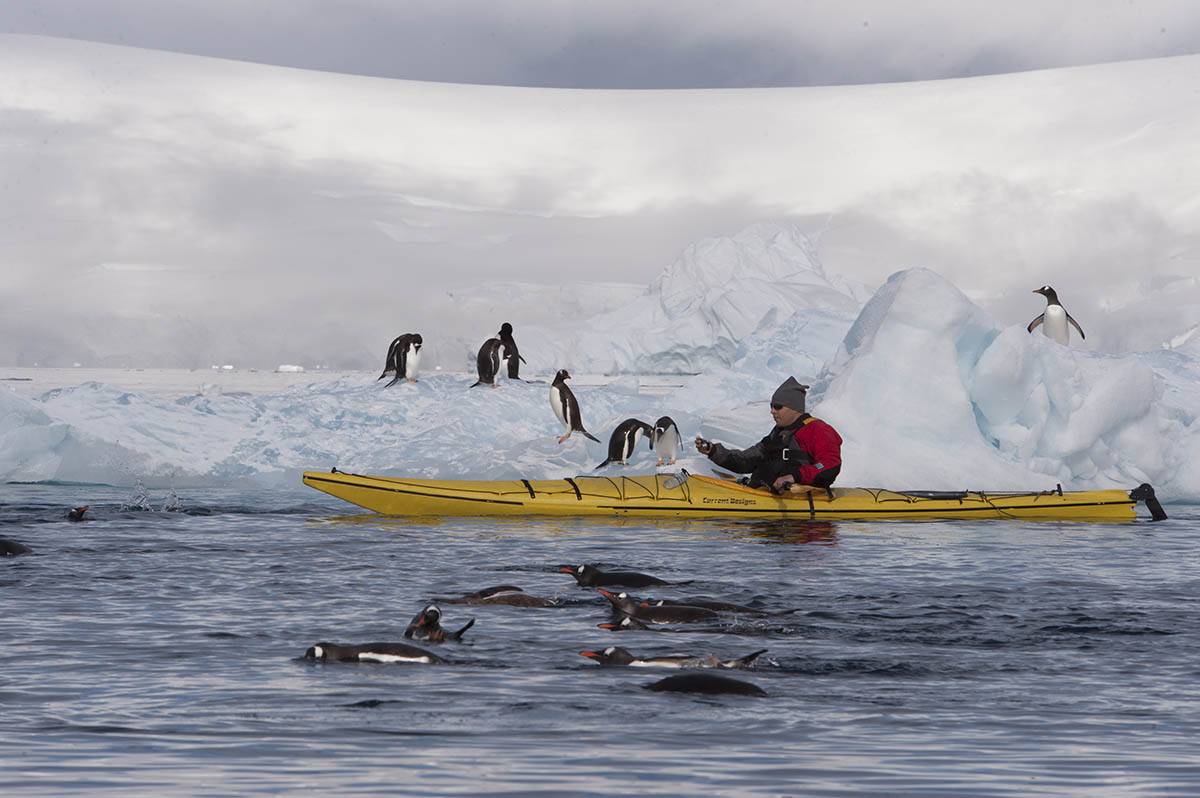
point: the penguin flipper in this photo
(743, 662)
(395, 380)
(387, 361)
(1076, 325)
(458, 635)
(589, 435)
(602, 465)
(1033, 325)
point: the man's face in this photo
(784, 416)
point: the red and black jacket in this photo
(810, 450)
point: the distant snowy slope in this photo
(193, 211)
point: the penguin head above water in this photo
(427, 619)
(584, 574)
(626, 623)
(613, 655)
(622, 601)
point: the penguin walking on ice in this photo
(625, 439)
(488, 362)
(510, 354)
(666, 439)
(566, 407)
(403, 356)
(1054, 318)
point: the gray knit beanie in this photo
(790, 394)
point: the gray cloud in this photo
(632, 43)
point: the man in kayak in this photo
(801, 449)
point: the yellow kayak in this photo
(684, 495)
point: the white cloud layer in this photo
(163, 209)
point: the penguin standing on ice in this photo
(1055, 318)
(403, 357)
(566, 407)
(510, 351)
(666, 439)
(625, 439)
(488, 362)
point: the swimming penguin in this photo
(566, 408)
(666, 439)
(625, 439)
(1055, 318)
(508, 595)
(625, 604)
(510, 351)
(720, 606)
(615, 655)
(426, 625)
(372, 652)
(488, 362)
(625, 624)
(77, 513)
(11, 548)
(403, 356)
(591, 576)
(707, 683)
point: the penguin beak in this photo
(566, 570)
(419, 620)
(591, 654)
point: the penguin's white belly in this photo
(1054, 324)
(668, 445)
(411, 361)
(374, 656)
(556, 401)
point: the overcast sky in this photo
(635, 44)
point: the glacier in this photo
(927, 388)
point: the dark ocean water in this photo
(156, 653)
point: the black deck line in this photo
(416, 493)
(890, 511)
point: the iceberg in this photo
(928, 390)
(722, 297)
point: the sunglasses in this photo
(776, 407)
